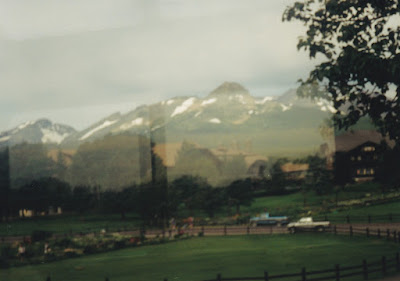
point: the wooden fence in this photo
(337, 272)
(364, 270)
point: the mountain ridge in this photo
(227, 108)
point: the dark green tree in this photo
(4, 184)
(319, 178)
(240, 192)
(186, 189)
(211, 199)
(358, 42)
(83, 199)
(43, 193)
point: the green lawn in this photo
(67, 223)
(202, 258)
(378, 213)
(297, 203)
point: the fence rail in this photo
(337, 272)
(384, 265)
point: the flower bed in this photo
(35, 252)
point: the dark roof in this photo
(351, 139)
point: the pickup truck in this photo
(307, 224)
(266, 219)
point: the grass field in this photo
(296, 203)
(67, 223)
(290, 205)
(381, 209)
(203, 257)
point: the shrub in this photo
(64, 243)
(119, 244)
(200, 234)
(89, 249)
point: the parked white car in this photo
(307, 223)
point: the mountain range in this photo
(227, 115)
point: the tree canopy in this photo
(359, 43)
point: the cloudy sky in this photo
(75, 62)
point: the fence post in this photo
(303, 274)
(334, 229)
(219, 277)
(225, 231)
(384, 265)
(395, 236)
(369, 218)
(388, 234)
(347, 219)
(379, 233)
(398, 237)
(266, 276)
(351, 230)
(202, 229)
(337, 272)
(367, 231)
(365, 270)
(248, 229)
(397, 261)
(48, 278)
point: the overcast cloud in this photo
(78, 61)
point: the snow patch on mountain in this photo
(183, 107)
(136, 122)
(98, 128)
(51, 136)
(251, 112)
(198, 113)
(238, 97)
(215, 121)
(26, 124)
(264, 100)
(209, 101)
(285, 107)
(169, 102)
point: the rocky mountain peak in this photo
(229, 88)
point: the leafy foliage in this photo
(359, 42)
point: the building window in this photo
(359, 158)
(352, 158)
(369, 148)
